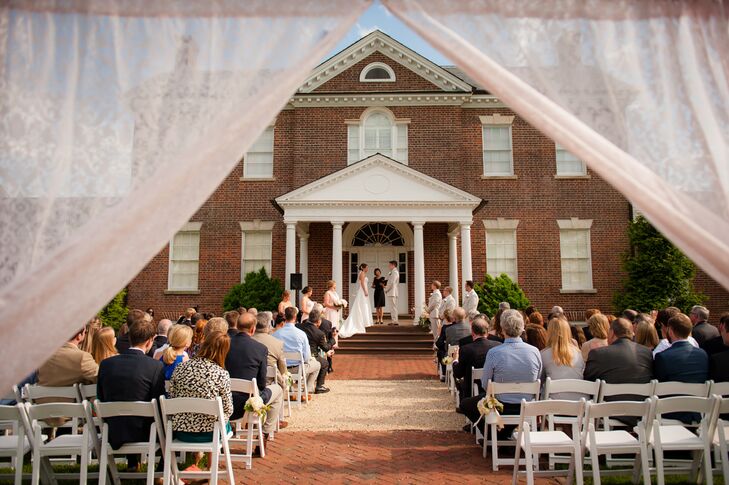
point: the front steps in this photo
(405, 338)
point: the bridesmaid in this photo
(307, 304)
(285, 302)
(378, 283)
(331, 302)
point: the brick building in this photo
(383, 155)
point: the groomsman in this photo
(448, 303)
(391, 291)
(434, 307)
(470, 301)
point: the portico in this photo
(385, 206)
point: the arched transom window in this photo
(377, 131)
(377, 72)
(377, 234)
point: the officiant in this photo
(378, 283)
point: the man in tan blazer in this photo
(69, 365)
(434, 308)
(274, 346)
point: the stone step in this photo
(389, 339)
(383, 350)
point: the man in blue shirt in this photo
(295, 340)
(513, 361)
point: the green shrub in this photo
(114, 314)
(658, 273)
(258, 290)
(495, 290)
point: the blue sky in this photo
(377, 17)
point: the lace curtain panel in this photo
(638, 89)
(118, 119)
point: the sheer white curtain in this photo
(639, 89)
(117, 120)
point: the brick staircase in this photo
(384, 339)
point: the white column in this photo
(453, 261)
(304, 258)
(466, 254)
(337, 256)
(419, 283)
(290, 252)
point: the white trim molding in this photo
(574, 223)
(377, 65)
(257, 225)
(500, 223)
(191, 226)
(497, 119)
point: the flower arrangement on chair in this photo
(489, 407)
(288, 379)
(424, 319)
(255, 405)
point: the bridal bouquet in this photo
(342, 304)
(255, 405)
(489, 407)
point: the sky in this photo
(378, 17)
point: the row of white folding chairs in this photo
(654, 435)
(300, 387)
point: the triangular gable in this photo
(378, 41)
(379, 179)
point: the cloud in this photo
(363, 30)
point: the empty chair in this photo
(298, 377)
(673, 437)
(597, 442)
(249, 427)
(109, 410)
(535, 442)
(719, 388)
(14, 445)
(673, 388)
(476, 375)
(219, 437)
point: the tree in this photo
(114, 314)
(658, 273)
(258, 290)
(495, 290)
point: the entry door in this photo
(379, 258)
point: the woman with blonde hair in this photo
(103, 344)
(179, 339)
(92, 328)
(598, 325)
(561, 359)
(646, 335)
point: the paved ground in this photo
(383, 366)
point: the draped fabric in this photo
(639, 89)
(118, 119)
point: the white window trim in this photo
(393, 140)
(574, 223)
(374, 65)
(501, 224)
(246, 176)
(255, 225)
(510, 174)
(568, 175)
(188, 227)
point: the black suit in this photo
(159, 341)
(468, 339)
(715, 346)
(621, 362)
(720, 367)
(122, 343)
(232, 332)
(703, 332)
(129, 376)
(682, 362)
(247, 359)
(471, 355)
(317, 341)
(328, 329)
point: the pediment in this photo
(375, 181)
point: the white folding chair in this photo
(107, 410)
(673, 388)
(273, 373)
(450, 380)
(536, 442)
(299, 377)
(210, 407)
(249, 428)
(14, 445)
(64, 445)
(476, 375)
(719, 388)
(495, 389)
(571, 390)
(596, 442)
(671, 437)
(719, 438)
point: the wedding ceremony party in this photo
(364, 241)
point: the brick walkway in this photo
(383, 366)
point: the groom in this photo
(393, 279)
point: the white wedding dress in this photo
(360, 314)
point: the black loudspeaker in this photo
(296, 281)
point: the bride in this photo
(360, 314)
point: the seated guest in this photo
(589, 313)
(186, 319)
(180, 339)
(703, 331)
(578, 336)
(719, 364)
(621, 362)
(203, 376)
(160, 341)
(459, 329)
(495, 333)
(92, 327)
(561, 359)
(599, 326)
(274, 346)
(318, 345)
(536, 336)
(630, 315)
(645, 335)
(330, 331)
(122, 341)
(69, 365)
(232, 318)
(557, 312)
(716, 345)
(103, 345)
(441, 348)
(536, 318)
(661, 324)
(294, 340)
(278, 322)
(248, 359)
(198, 336)
(132, 376)
(472, 355)
(216, 324)
(681, 362)
(513, 361)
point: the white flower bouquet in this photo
(342, 304)
(447, 360)
(255, 405)
(490, 408)
(424, 319)
(288, 379)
